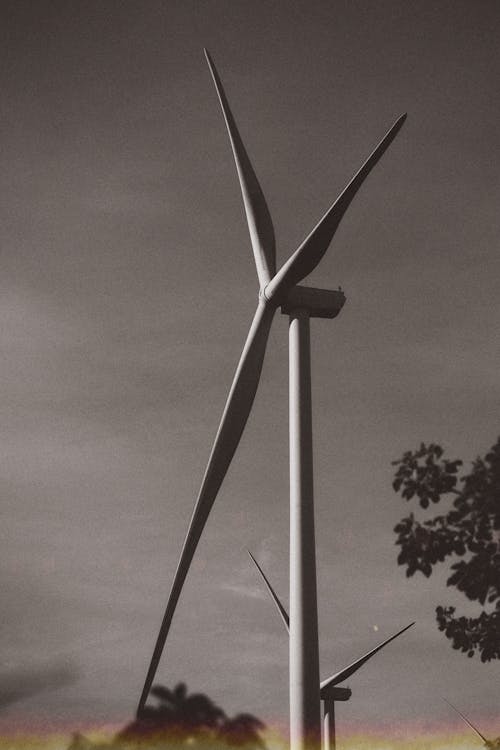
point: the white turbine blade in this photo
(352, 668)
(310, 252)
(234, 418)
(469, 723)
(259, 220)
(282, 611)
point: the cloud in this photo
(245, 590)
(27, 681)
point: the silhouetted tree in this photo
(242, 731)
(192, 719)
(176, 713)
(470, 531)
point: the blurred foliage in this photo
(469, 530)
(180, 718)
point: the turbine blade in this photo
(469, 723)
(352, 668)
(259, 219)
(310, 252)
(232, 424)
(282, 611)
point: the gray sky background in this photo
(126, 289)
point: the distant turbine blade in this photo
(279, 606)
(234, 418)
(352, 668)
(310, 252)
(259, 219)
(469, 723)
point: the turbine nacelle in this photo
(334, 693)
(319, 303)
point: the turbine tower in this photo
(492, 744)
(329, 692)
(276, 289)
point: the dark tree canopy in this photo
(467, 534)
(182, 718)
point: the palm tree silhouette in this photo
(177, 714)
(185, 712)
(186, 718)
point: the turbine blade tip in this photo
(400, 122)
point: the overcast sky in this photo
(126, 289)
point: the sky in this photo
(127, 287)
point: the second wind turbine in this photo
(329, 691)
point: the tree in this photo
(243, 731)
(184, 718)
(469, 531)
(177, 714)
(185, 713)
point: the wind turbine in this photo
(487, 743)
(329, 692)
(276, 289)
